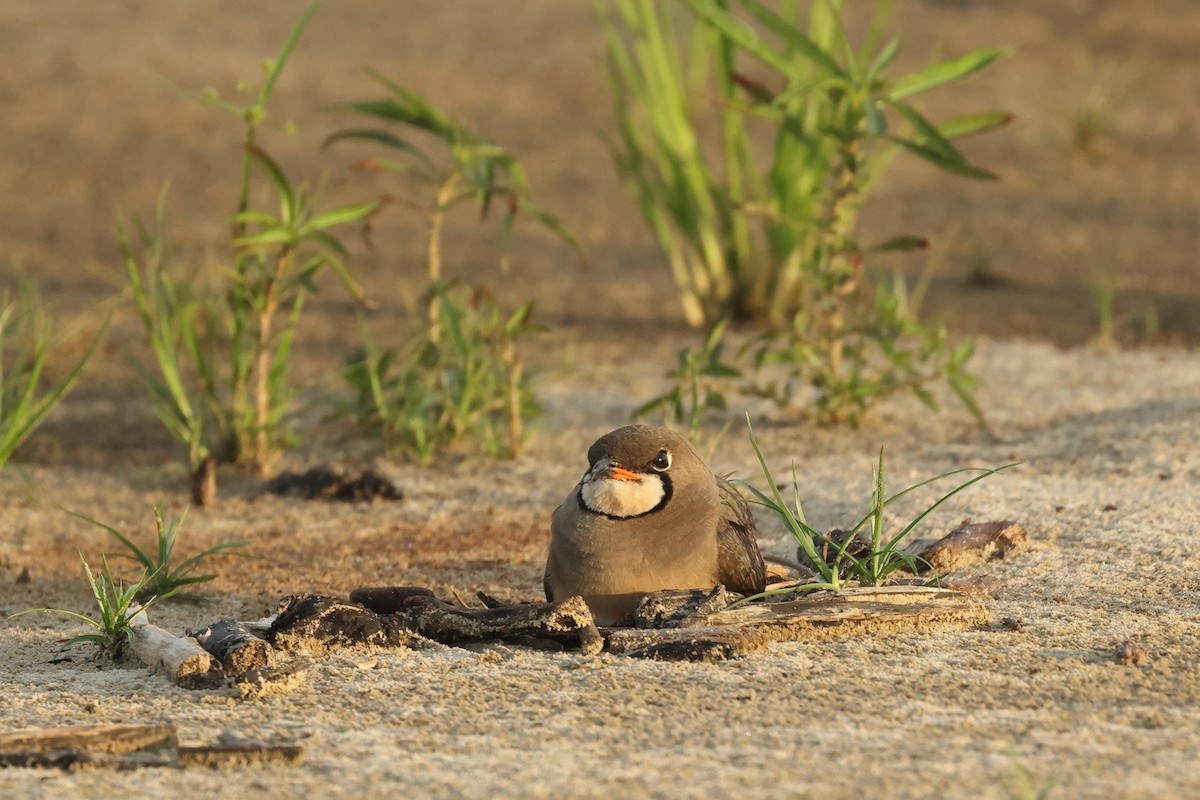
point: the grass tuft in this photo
(26, 340)
(835, 562)
(116, 601)
(459, 378)
(773, 236)
(160, 579)
(221, 385)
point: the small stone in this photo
(974, 543)
(1131, 653)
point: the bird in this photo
(649, 515)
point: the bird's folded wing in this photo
(739, 562)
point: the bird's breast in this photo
(594, 554)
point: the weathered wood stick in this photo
(387, 599)
(235, 646)
(974, 543)
(125, 747)
(259, 627)
(73, 760)
(239, 755)
(566, 619)
(315, 624)
(488, 600)
(856, 611)
(182, 658)
(114, 739)
(681, 608)
(855, 600)
(198, 756)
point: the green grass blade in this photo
(288, 46)
(917, 520)
(555, 226)
(877, 503)
(743, 35)
(100, 639)
(19, 421)
(385, 138)
(796, 502)
(926, 482)
(941, 74)
(801, 532)
(452, 321)
(939, 159)
(60, 611)
(212, 551)
(135, 552)
(340, 216)
(804, 587)
(794, 38)
(928, 135)
(279, 179)
(882, 61)
(264, 241)
(971, 124)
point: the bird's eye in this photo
(662, 462)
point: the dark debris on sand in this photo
(323, 483)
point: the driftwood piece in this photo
(315, 624)
(488, 600)
(109, 739)
(180, 657)
(885, 609)
(566, 619)
(235, 646)
(240, 755)
(387, 599)
(685, 608)
(974, 543)
(130, 747)
(687, 625)
(70, 760)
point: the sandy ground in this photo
(1107, 491)
(1107, 488)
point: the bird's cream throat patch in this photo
(623, 498)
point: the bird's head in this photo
(635, 470)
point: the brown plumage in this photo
(649, 515)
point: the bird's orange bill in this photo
(622, 474)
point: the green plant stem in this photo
(512, 363)
(442, 204)
(436, 219)
(262, 391)
(842, 280)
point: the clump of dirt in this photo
(323, 483)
